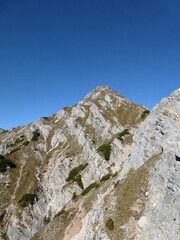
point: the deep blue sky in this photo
(52, 53)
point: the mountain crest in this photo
(105, 168)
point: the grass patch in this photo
(75, 171)
(125, 137)
(106, 149)
(25, 143)
(14, 150)
(128, 114)
(115, 174)
(18, 141)
(4, 235)
(47, 220)
(2, 216)
(79, 181)
(91, 186)
(5, 163)
(35, 136)
(26, 199)
(57, 226)
(110, 224)
(123, 133)
(128, 192)
(144, 114)
(116, 184)
(105, 177)
(60, 213)
(74, 196)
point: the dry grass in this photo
(132, 189)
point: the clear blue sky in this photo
(52, 53)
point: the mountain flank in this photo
(105, 168)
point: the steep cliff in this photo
(102, 169)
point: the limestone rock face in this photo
(102, 169)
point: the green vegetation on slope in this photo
(123, 133)
(105, 177)
(125, 137)
(74, 175)
(47, 220)
(60, 213)
(106, 149)
(2, 216)
(36, 134)
(74, 196)
(26, 143)
(19, 140)
(14, 150)
(144, 114)
(5, 163)
(110, 224)
(79, 181)
(27, 198)
(91, 186)
(75, 171)
(127, 193)
(56, 228)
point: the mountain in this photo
(104, 168)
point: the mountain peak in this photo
(102, 87)
(104, 162)
(105, 93)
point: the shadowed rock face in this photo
(65, 187)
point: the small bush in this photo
(105, 177)
(106, 149)
(115, 174)
(14, 150)
(35, 136)
(91, 186)
(3, 235)
(116, 184)
(2, 169)
(145, 113)
(123, 133)
(74, 196)
(26, 143)
(79, 181)
(110, 224)
(4, 163)
(2, 216)
(27, 198)
(75, 171)
(60, 213)
(18, 141)
(47, 220)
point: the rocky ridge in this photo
(101, 169)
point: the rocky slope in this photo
(102, 169)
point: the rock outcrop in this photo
(102, 169)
